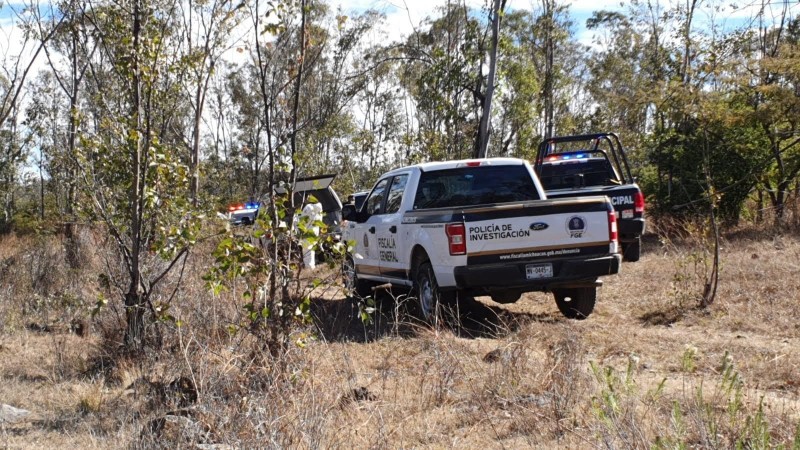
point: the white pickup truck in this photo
(479, 227)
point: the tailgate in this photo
(539, 230)
(622, 197)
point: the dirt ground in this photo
(648, 369)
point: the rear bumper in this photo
(630, 229)
(496, 277)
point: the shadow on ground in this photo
(340, 320)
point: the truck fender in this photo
(439, 256)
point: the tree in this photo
(206, 30)
(483, 129)
(16, 66)
(130, 167)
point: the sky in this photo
(403, 15)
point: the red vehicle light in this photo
(638, 203)
(456, 238)
(613, 231)
(473, 163)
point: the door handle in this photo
(372, 230)
(393, 229)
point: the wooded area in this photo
(126, 127)
(218, 96)
(148, 116)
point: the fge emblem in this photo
(576, 226)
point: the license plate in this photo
(534, 271)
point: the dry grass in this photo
(646, 370)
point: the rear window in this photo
(469, 186)
(590, 172)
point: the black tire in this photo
(352, 285)
(576, 303)
(429, 298)
(506, 297)
(632, 251)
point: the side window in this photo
(375, 199)
(395, 196)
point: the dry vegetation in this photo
(647, 369)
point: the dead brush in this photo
(440, 372)
(715, 414)
(548, 400)
(693, 270)
(39, 291)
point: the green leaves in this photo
(260, 265)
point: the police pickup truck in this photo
(479, 227)
(595, 164)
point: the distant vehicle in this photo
(354, 203)
(595, 164)
(243, 213)
(359, 198)
(320, 188)
(304, 188)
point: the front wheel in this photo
(429, 297)
(576, 303)
(352, 285)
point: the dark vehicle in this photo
(595, 164)
(354, 203)
(319, 187)
(358, 199)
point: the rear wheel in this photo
(352, 285)
(576, 303)
(506, 297)
(429, 297)
(631, 251)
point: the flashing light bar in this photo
(566, 157)
(240, 206)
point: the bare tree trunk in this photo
(483, 130)
(194, 163)
(712, 280)
(690, 7)
(760, 206)
(70, 238)
(41, 184)
(549, 6)
(134, 299)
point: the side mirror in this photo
(349, 213)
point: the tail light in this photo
(613, 232)
(456, 238)
(638, 203)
